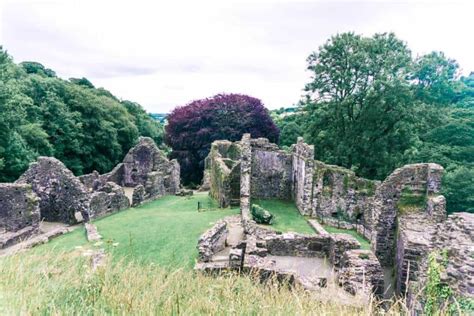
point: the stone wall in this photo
(245, 176)
(405, 191)
(108, 199)
(143, 165)
(338, 192)
(361, 272)
(299, 245)
(63, 198)
(302, 176)
(212, 241)
(271, 171)
(223, 169)
(455, 236)
(413, 244)
(18, 207)
(339, 244)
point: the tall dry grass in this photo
(63, 284)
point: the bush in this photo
(261, 215)
(192, 128)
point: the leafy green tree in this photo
(84, 127)
(32, 67)
(359, 103)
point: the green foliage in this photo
(372, 108)
(86, 128)
(410, 201)
(438, 294)
(289, 121)
(261, 215)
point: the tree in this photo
(290, 123)
(192, 128)
(84, 127)
(359, 103)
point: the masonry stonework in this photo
(63, 198)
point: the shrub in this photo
(261, 215)
(192, 128)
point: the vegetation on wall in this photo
(192, 128)
(84, 127)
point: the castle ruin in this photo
(403, 217)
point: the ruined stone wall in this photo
(18, 207)
(455, 237)
(338, 192)
(63, 197)
(108, 199)
(361, 273)
(271, 171)
(143, 165)
(212, 241)
(407, 190)
(299, 245)
(245, 176)
(223, 169)
(413, 244)
(302, 176)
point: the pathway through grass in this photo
(164, 231)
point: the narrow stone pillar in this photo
(245, 172)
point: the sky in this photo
(163, 54)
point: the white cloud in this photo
(163, 54)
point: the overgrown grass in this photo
(164, 231)
(364, 243)
(56, 283)
(286, 216)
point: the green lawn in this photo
(364, 243)
(164, 231)
(286, 216)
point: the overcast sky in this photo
(168, 53)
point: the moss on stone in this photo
(410, 201)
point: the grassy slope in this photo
(363, 242)
(56, 283)
(164, 231)
(286, 216)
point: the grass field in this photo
(164, 231)
(286, 216)
(364, 243)
(61, 283)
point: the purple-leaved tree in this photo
(192, 128)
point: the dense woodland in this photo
(370, 105)
(84, 127)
